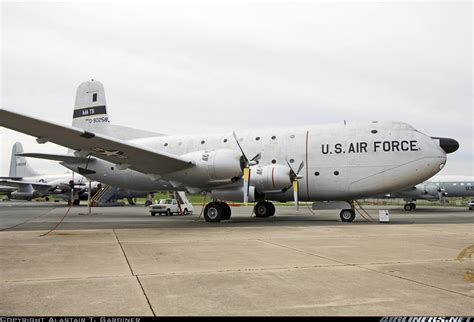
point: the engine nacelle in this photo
(19, 195)
(267, 178)
(218, 165)
(236, 195)
(431, 189)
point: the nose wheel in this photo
(409, 206)
(347, 215)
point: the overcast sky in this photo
(184, 68)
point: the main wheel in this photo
(227, 210)
(407, 207)
(152, 213)
(264, 209)
(347, 215)
(271, 207)
(213, 212)
(413, 205)
(168, 212)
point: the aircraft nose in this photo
(447, 144)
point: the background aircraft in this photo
(436, 188)
(28, 183)
(331, 162)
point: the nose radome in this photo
(447, 144)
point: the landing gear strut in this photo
(217, 211)
(264, 209)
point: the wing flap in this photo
(55, 157)
(120, 152)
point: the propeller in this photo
(295, 176)
(246, 163)
(442, 194)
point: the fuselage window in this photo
(292, 160)
(202, 142)
(316, 173)
(257, 138)
(274, 161)
(336, 173)
(166, 144)
(225, 140)
(274, 137)
(374, 131)
(292, 136)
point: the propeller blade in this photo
(241, 150)
(295, 194)
(255, 159)
(246, 177)
(300, 168)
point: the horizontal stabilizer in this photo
(56, 157)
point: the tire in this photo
(272, 209)
(347, 215)
(407, 207)
(226, 209)
(262, 209)
(413, 205)
(148, 203)
(153, 213)
(46, 199)
(168, 212)
(213, 212)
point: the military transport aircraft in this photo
(26, 183)
(326, 162)
(436, 188)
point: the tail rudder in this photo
(19, 166)
(90, 110)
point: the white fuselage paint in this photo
(341, 162)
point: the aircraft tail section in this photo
(19, 166)
(90, 111)
(90, 114)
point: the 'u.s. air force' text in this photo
(365, 147)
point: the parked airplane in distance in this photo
(436, 188)
(313, 163)
(28, 184)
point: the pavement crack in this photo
(414, 281)
(131, 271)
(303, 252)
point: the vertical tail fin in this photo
(90, 110)
(19, 166)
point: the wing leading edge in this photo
(114, 150)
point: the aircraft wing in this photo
(117, 151)
(19, 183)
(54, 157)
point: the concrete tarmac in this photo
(122, 261)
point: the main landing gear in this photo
(216, 211)
(264, 209)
